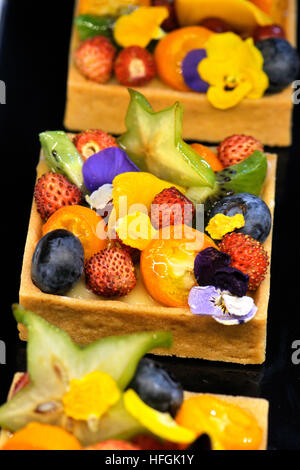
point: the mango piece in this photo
(242, 15)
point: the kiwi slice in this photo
(247, 176)
(62, 156)
(54, 360)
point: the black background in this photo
(34, 41)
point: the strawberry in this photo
(133, 252)
(247, 255)
(236, 148)
(92, 141)
(171, 207)
(110, 273)
(94, 58)
(113, 445)
(53, 191)
(134, 66)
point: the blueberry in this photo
(156, 387)
(255, 211)
(57, 262)
(281, 62)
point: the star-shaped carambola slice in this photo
(54, 361)
(153, 142)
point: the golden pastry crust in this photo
(194, 336)
(90, 105)
(258, 407)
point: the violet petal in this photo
(230, 320)
(189, 67)
(202, 301)
(232, 280)
(102, 167)
(221, 306)
(206, 263)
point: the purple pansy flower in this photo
(221, 305)
(189, 67)
(102, 167)
(211, 268)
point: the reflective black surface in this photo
(33, 60)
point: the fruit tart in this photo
(147, 231)
(231, 64)
(107, 396)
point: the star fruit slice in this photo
(153, 142)
(54, 360)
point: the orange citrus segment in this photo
(208, 156)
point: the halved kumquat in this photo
(172, 49)
(84, 223)
(167, 264)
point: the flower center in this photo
(90, 396)
(231, 82)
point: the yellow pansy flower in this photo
(234, 70)
(91, 396)
(221, 224)
(140, 27)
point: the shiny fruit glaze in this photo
(167, 264)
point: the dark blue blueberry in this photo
(256, 213)
(156, 387)
(57, 262)
(281, 62)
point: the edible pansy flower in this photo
(221, 224)
(101, 197)
(140, 27)
(90, 396)
(211, 268)
(234, 70)
(102, 167)
(136, 230)
(221, 305)
(189, 68)
(101, 201)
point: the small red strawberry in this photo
(236, 148)
(94, 58)
(171, 207)
(53, 191)
(133, 252)
(134, 66)
(113, 445)
(92, 141)
(247, 255)
(110, 273)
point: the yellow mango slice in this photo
(108, 7)
(242, 15)
(135, 191)
(160, 424)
